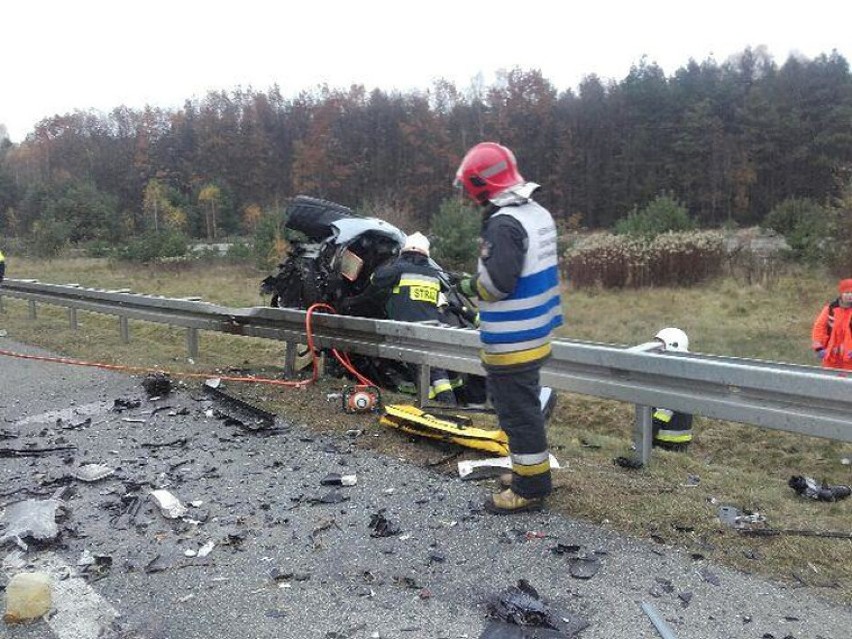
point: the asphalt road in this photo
(287, 564)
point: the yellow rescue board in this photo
(457, 429)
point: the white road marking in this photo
(78, 611)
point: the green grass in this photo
(738, 465)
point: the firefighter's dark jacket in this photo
(414, 287)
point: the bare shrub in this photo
(670, 259)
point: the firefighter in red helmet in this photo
(517, 283)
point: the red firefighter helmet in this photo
(487, 170)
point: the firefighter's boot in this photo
(507, 503)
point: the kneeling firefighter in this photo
(414, 297)
(672, 430)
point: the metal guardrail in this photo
(801, 399)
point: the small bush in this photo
(455, 234)
(662, 215)
(805, 225)
(270, 239)
(154, 245)
(49, 236)
(670, 259)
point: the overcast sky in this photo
(58, 56)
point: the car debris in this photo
(735, 518)
(518, 612)
(382, 526)
(169, 505)
(92, 472)
(819, 491)
(35, 452)
(336, 479)
(584, 567)
(31, 519)
(250, 418)
(122, 404)
(661, 626)
(157, 385)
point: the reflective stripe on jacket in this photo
(414, 288)
(516, 325)
(671, 427)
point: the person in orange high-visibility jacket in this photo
(832, 331)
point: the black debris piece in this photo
(33, 451)
(685, 598)
(630, 463)
(331, 497)
(809, 487)
(518, 612)
(565, 549)
(584, 567)
(77, 425)
(158, 564)
(382, 526)
(710, 577)
(157, 384)
(122, 404)
(275, 614)
(248, 417)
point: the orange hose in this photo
(343, 358)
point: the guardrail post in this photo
(290, 348)
(72, 318)
(192, 342)
(423, 384)
(643, 432)
(32, 309)
(124, 327)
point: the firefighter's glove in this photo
(468, 287)
(455, 278)
(820, 353)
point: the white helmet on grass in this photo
(674, 339)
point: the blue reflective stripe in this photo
(521, 336)
(522, 314)
(536, 284)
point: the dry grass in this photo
(738, 465)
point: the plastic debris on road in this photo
(30, 519)
(169, 505)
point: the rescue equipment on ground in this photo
(458, 429)
(361, 398)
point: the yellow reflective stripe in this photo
(437, 389)
(425, 283)
(664, 415)
(673, 436)
(534, 469)
(483, 293)
(457, 382)
(516, 357)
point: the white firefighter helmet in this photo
(674, 339)
(417, 242)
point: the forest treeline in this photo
(729, 140)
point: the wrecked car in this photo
(331, 261)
